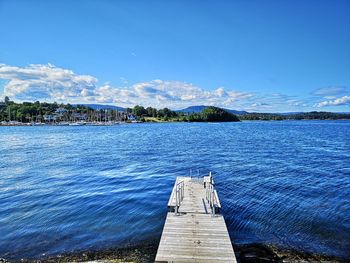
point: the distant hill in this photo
(289, 113)
(313, 115)
(304, 113)
(200, 108)
(103, 107)
(193, 109)
(237, 112)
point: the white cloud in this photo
(160, 93)
(51, 83)
(45, 82)
(330, 92)
(220, 92)
(345, 100)
(333, 96)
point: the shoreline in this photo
(146, 252)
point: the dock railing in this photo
(211, 196)
(179, 195)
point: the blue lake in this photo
(64, 189)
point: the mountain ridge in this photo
(200, 108)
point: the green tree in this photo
(213, 114)
(194, 117)
(7, 100)
(160, 114)
(151, 112)
(139, 111)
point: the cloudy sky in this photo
(275, 56)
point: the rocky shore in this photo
(250, 253)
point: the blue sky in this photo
(254, 55)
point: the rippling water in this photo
(71, 188)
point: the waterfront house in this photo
(50, 117)
(131, 117)
(60, 111)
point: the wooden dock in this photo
(194, 229)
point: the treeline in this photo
(313, 115)
(161, 114)
(209, 114)
(322, 115)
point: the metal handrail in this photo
(211, 197)
(179, 195)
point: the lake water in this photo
(72, 188)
